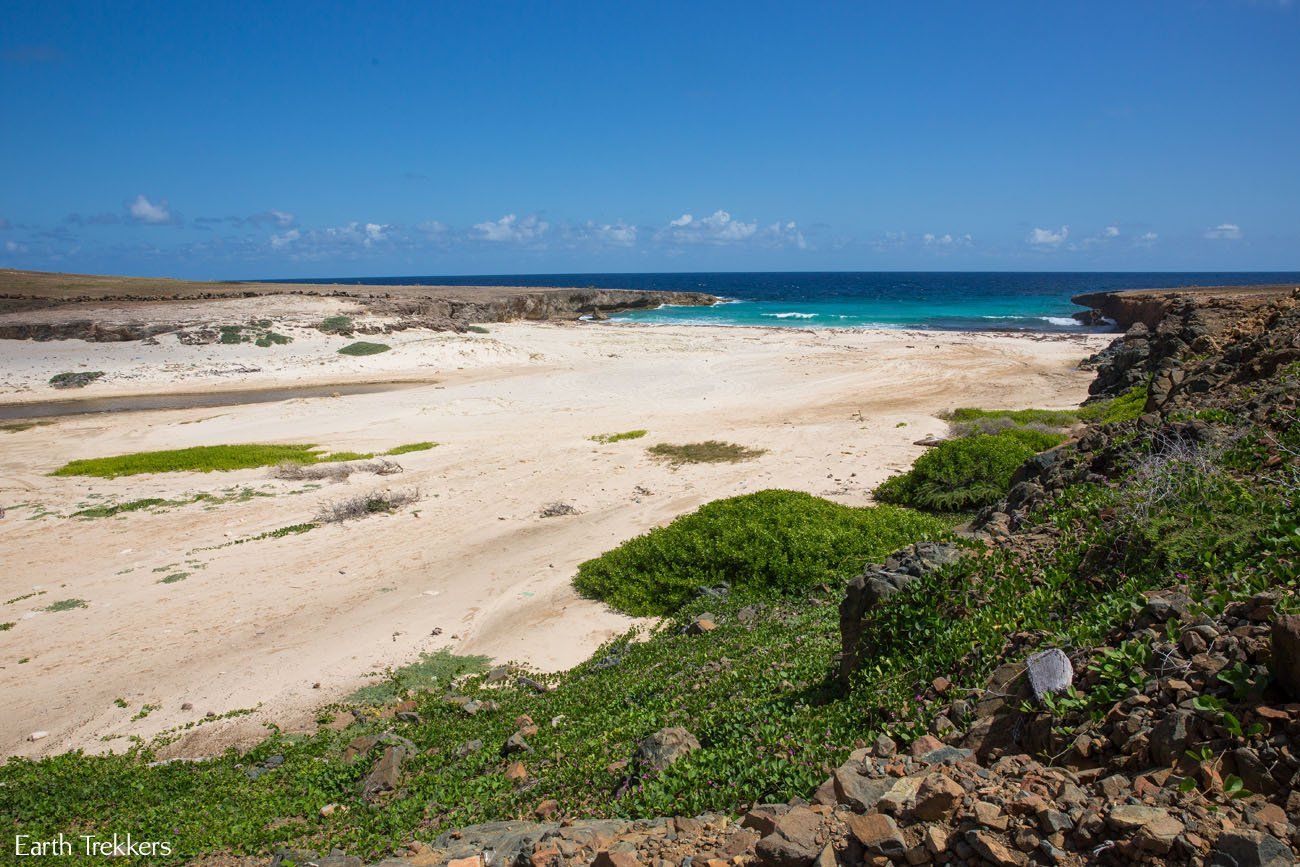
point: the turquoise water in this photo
(972, 301)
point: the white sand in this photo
(257, 624)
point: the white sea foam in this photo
(790, 315)
(1060, 320)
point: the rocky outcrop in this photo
(879, 581)
(1150, 307)
(434, 308)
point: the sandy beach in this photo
(285, 625)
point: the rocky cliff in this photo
(111, 315)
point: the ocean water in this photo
(972, 301)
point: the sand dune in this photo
(258, 624)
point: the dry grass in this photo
(557, 510)
(334, 472)
(708, 452)
(365, 505)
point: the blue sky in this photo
(282, 139)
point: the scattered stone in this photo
(385, 774)
(665, 747)
(1286, 653)
(1250, 849)
(877, 833)
(793, 842)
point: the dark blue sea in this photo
(975, 301)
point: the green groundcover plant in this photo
(782, 541)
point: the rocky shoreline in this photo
(38, 306)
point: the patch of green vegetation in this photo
(120, 508)
(144, 711)
(965, 473)
(336, 325)
(769, 542)
(1045, 417)
(231, 334)
(1127, 407)
(271, 338)
(362, 347)
(407, 448)
(198, 459)
(430, 671)
(344, 457)
(1039, 441)
(78, 379)
(477, 329)
(20, 426)
(708, 452)
(618, 437)
(65, 605)
(174, 577)
(5, 627)
(120, 702)
(25, 596)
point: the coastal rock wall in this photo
(136, 317)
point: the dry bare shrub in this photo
(557, 510)
(333, 471)
(365, 505)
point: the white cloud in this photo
(374, 232)
(785, 233)
(946, 240)
(1147, 239)
(618, 234)
(432, 227)
(15, 247)
(144, 211)
(1224, 232)
(511, 228)
(283, 219)
(1048, 238)
(717, 228)
(1110, 232)
(285, 239)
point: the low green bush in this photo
(1046, 417)
(966, 473)
(198, 459)
(336, 325)
(361, 347)
(707, 452)
(768, 542)
(1127, 407)
(618, 437)
(406, 448)
(78, 379)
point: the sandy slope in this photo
(257, 624)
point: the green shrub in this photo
(965, 473)
(768, 542)
(198, 459)
(1046, 417)
(336, 325)
(430, 671)
(1039, 441)
(708, 452)
(618, 437)
(1127, 407)
(361, 347)
(477, 329)
(271, 338)
(410, 447)
(79, 379)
